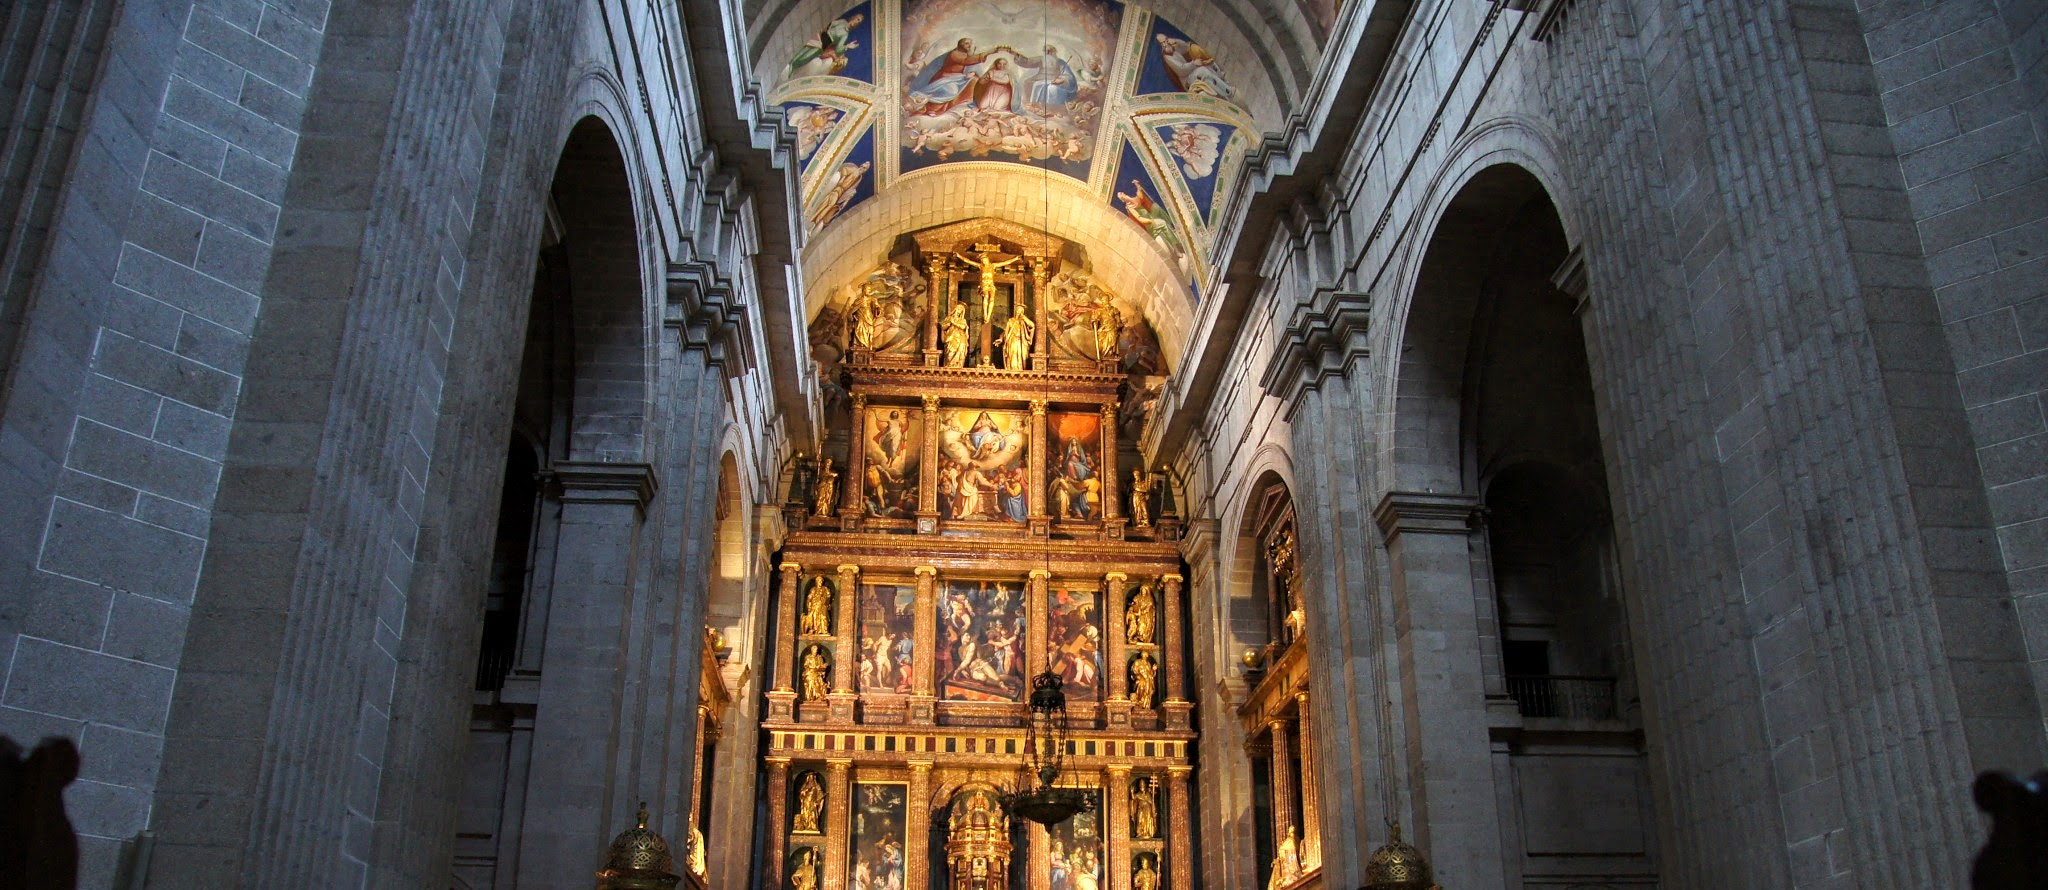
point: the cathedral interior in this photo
(1038, 444)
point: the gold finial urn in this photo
(638, 860)
(1398, 866)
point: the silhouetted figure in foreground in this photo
(2016, 855)
(38, 851)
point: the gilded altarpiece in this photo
(985, 540)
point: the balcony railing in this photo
(1577, 698)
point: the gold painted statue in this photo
(1108, 325)
(954, 332)
(1144, 680)
(1145, 808)
(1141, 497)
(867, 317)
(810, 805)
(815, 667)
(1286, 863)
(1146, 877)
(818, 609)
(1017, 340)
(1140, 618)
(828, 485)
(805, 875)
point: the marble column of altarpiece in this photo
(935, 747)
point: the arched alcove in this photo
(606, 306)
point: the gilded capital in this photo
(1038, 407)
(860, 401)
(849, 569)
(925, 570)
(791, 567)
(931, 403)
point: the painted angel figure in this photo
(813, 123)
(1196, 145)
(826, 52)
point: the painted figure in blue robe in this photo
(1053, 83)
(1011, 495)
(1080, 467)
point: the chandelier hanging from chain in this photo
(1038, 795)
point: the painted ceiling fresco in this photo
(1105, 94)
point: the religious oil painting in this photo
(1175, 63)
(813, 124)
(981, 641)
(1021, 82)
(893, 440)
(982, 467)
(1197, 148)
(888, 628)
(1077, 850)
(851, 184)
(1137, 197)
(843, 48)
(1074, 475)
(1074, 641)
(879, 817)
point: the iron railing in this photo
(1579, 698)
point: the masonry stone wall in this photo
(1826, 591)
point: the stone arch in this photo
(1434, 344)
(607, 295)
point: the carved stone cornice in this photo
(1426, 513)
(591, 482)
(1198, 544)
(1324, 338)
(710, 315)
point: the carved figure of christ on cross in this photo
(988, 269)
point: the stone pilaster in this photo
(923, 693)
(569, 784)
(845, 645)
(938, 277)
(917, 826)
(1041, 301)
(851, 510)
(1172, 675)
(1116, 826)
(1456, 808)
(838, 821)
(1116, 709)
(1319, 372)
(782, 695)
(1112, 502)
(1181, 852)
(777, 851)
(1035, 631)
(928, 469)
(1040, 523)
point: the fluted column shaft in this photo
(1282, 760)
(1311, 795)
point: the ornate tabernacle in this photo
(980, 538)
(1275, 717)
